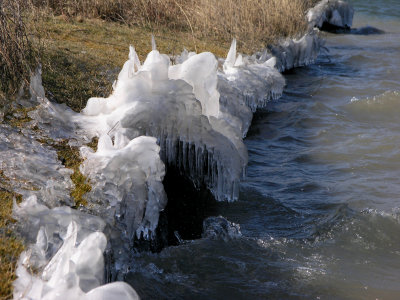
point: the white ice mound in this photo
(182, 112)
(67, 256)
(205, 85)
(335, 12)
(254, 81)
(127, 179)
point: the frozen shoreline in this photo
(198, 114)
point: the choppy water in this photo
(320, 208)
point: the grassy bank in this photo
(84, 43)
(81, 58)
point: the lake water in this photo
(319, 209)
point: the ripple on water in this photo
(384, 108)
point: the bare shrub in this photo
(17, 57)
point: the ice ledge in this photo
(331, 14)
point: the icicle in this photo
(231, 57)
(134, 58)
(153, 43)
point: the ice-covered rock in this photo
(127, 179)
(67, 256)
(191, 115)
(216, 228)
(333, 12)
(294, 53)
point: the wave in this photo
(384, 107)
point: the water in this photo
(320, 209)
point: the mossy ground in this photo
(18, 117)
(11, 245)
(71, 159)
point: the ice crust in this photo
(334, 12)
(33, 167)
(256, 80)
(294, 53)
(190, 115)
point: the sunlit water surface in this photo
(320, 208)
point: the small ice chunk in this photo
(220, 228)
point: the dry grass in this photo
(253, 22)
(82, 51)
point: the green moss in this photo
(10, 249)
(93, 143)
(10, 245)
(19, 117)
(81, 188)
(70, 158)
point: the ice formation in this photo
(334, 12)
(255, 81)
(294, 53)
(67, 256)
(179, 106)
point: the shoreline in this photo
(232, 64)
